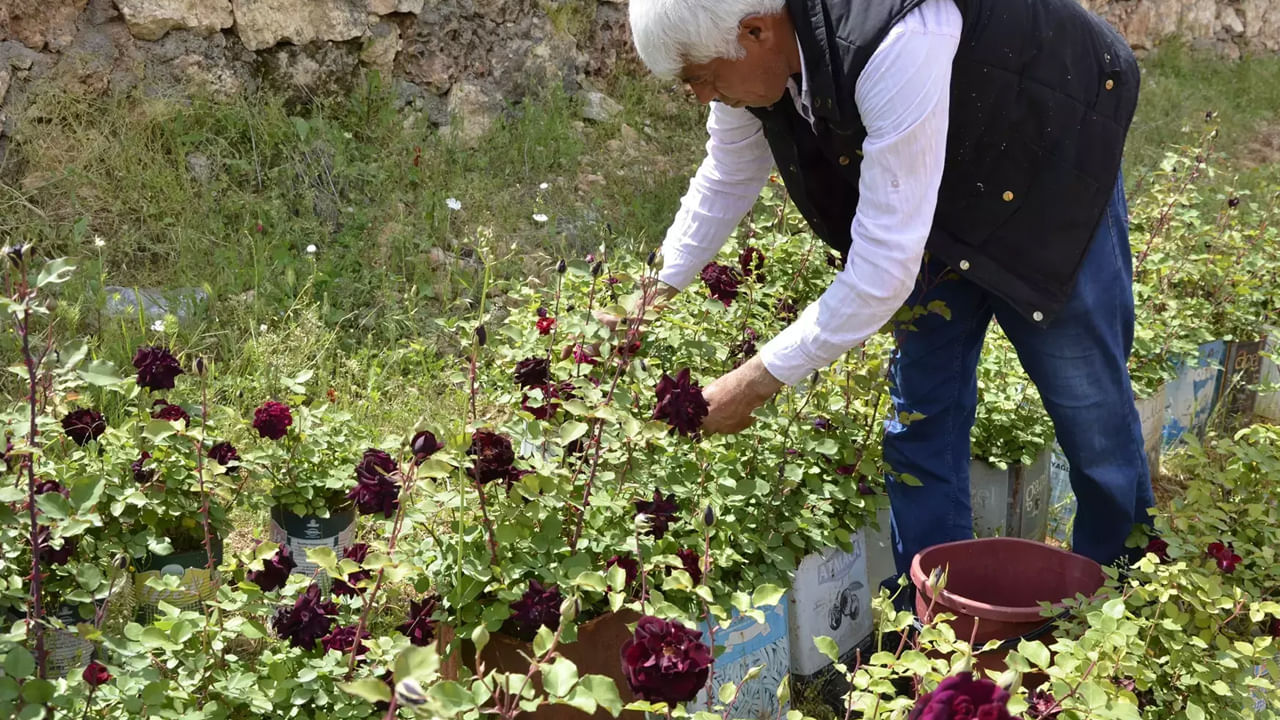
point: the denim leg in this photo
(933, 379)
(1080, 365)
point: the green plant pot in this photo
(198, 582)
(308, 532)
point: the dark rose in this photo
(750, 260)
(307, 621)
(722, 282)
(613, 280)
(141, 473)
(343, 638)
(680, 403)
(50, 554)
(1226, 557)
(272, 420)
(542, 311)
(157, 368)
(1043, 706)
(348, 587)
(95, 674)
(1159, 548)
(865, 488)
(665, 661)
(83, 425)
(835, 261)
(628, 565)
(1233, 203)
(545, 324)
(539, 607)
(225, 454)
(661, 512)
(162, 410)
(628, 349)
(552, 393)
(1275, 628)
(746, 348)
(961, 697)
(420, 629)
(376, 489)
(822, 423)
(533, 372)
(423, 445)
(492, 456)
(583, 356)
(692, 564)
(275, 570)
(786, 311)
(49, 486)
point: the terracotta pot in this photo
(598, 651)
(995, 586)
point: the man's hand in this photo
(733, 397)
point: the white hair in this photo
(672, 33)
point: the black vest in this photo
(1042, 95)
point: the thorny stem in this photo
(488, 524)
(391, 710)
(35, 611)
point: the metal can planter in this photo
(1268, 405)
(1192, 395)
(1241, 373)
(198, 582)
(66, 650)
(308, 532)
(1012, 502)
(749, 644)
(831, 597)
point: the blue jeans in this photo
(1079, 363)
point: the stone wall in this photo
(448, 58)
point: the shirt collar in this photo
(802, 95)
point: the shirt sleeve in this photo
(722, 191)
(903, 96)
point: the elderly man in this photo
(966, 151)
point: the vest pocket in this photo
(978, 197)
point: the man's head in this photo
(739, 52)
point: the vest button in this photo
(792, 168)
(844, 160)
(1037, 316)
(1008, 196)
(1111, 84)
(964, 264)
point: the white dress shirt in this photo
(903, 98)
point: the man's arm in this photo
(903, 96)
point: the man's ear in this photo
(754, 29)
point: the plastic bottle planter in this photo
(1241, 372)
(197, 582)
(747, 644)
(1191, 396)
(67, 651)
(1012, 502)
(305, 532)
(1062, 501)
(1268, 405)
(831, 596)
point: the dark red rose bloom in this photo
(628, 565)
(51, 555)
(420, 629)
(376, 489)
(1159, 548)
(423, 445)
(665, 661)
(225, 454)
(492, 456)
(786, 311)
(845, 470)
(692, 564)
(533, 372)
(1226, 557)
(538, 608)
(343, 638)
(613, 280)
(680, 403)
(582, 355)
(661, 513)
(162, 410)
(1275, 628)
(95, 674)
(275, 570)
(722, 282)
(835, 261)
(157, 368)
(1233, 203)
(746, 348)
(83, 425)
(545, 324)
(141, 473)
(272, 420)
(961, 697)
(348, 587)
(822, 423)
(552, 393)
(750, 260)
(628, 349)
(307, 621)
(49, 486)
(1043, 706)
(865, 488)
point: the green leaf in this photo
(542, 641)
(417, 662)
(155, 693)
(1035, 651)
(593, 580)
(324, 558)
(85, 494)
(1194, 712)
(370, 689)
(559, 677)
(102, 373)
(89, 577)
(727, 693)
(19, 663)
(37, 691)
(827, 647)
(54, 505)
(604, 691)
(784, 690)
(767, 596)
(452, 697)
(55, 271)
(1114, 608)
(572, 430)
(480, 638)
(157, 430)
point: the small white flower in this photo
(98, 241)
(311, 249)
(544, 186)
(346, 135)
(453, 203)
(539, 217)
(262, 327)
(158, 326)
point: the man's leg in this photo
(1080, 365)
(934, 385)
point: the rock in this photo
(630, 137)
(151, 19)
(263, 23)
(41, 24)
(156, 303)
(599, 107)
(386, 7)
(5, 76)
(589, 182)
(381, 46)
(200, 167)
(473, 111)
(1261, 23)
(101, 11)
(1230, 19)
